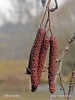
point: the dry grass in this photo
(9, 66)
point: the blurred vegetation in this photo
(13, 81)
(16, 40)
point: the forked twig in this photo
(66, 48)
(62, 86)
(45, 12)
(52, 10)
(60, 60)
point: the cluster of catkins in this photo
(37, 59)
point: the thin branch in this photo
(71, 87)
(51, 10)
(59, 69)
(45, 12)
(66, 48)
(49, 22)
(60, 60)
(62, 86)
(61, 57)
(46, 23)
(73, 84)
(56, 7)
(73, 74)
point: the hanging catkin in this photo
(28, 71)
(34, 57)
(42, 55)
(52, 64)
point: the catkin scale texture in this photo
(34, 58)
(52, 64)
(42, 55)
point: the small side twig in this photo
(60, 60)
(66, 48)
(61, 57)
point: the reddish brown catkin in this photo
(29, 64)
(52, 64)
(34, 57)
(42, 56)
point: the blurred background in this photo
(19, 22)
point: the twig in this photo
(45, 12)
(60, 60)
(71, 87)
(73, 84)
(62, 86)
(66, 48)
(46, 23)
(73, 73)
(56, 7)
(49, 22)
(52, 10)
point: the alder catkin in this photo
(42, 55)
(34, 58)
(52, 64)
